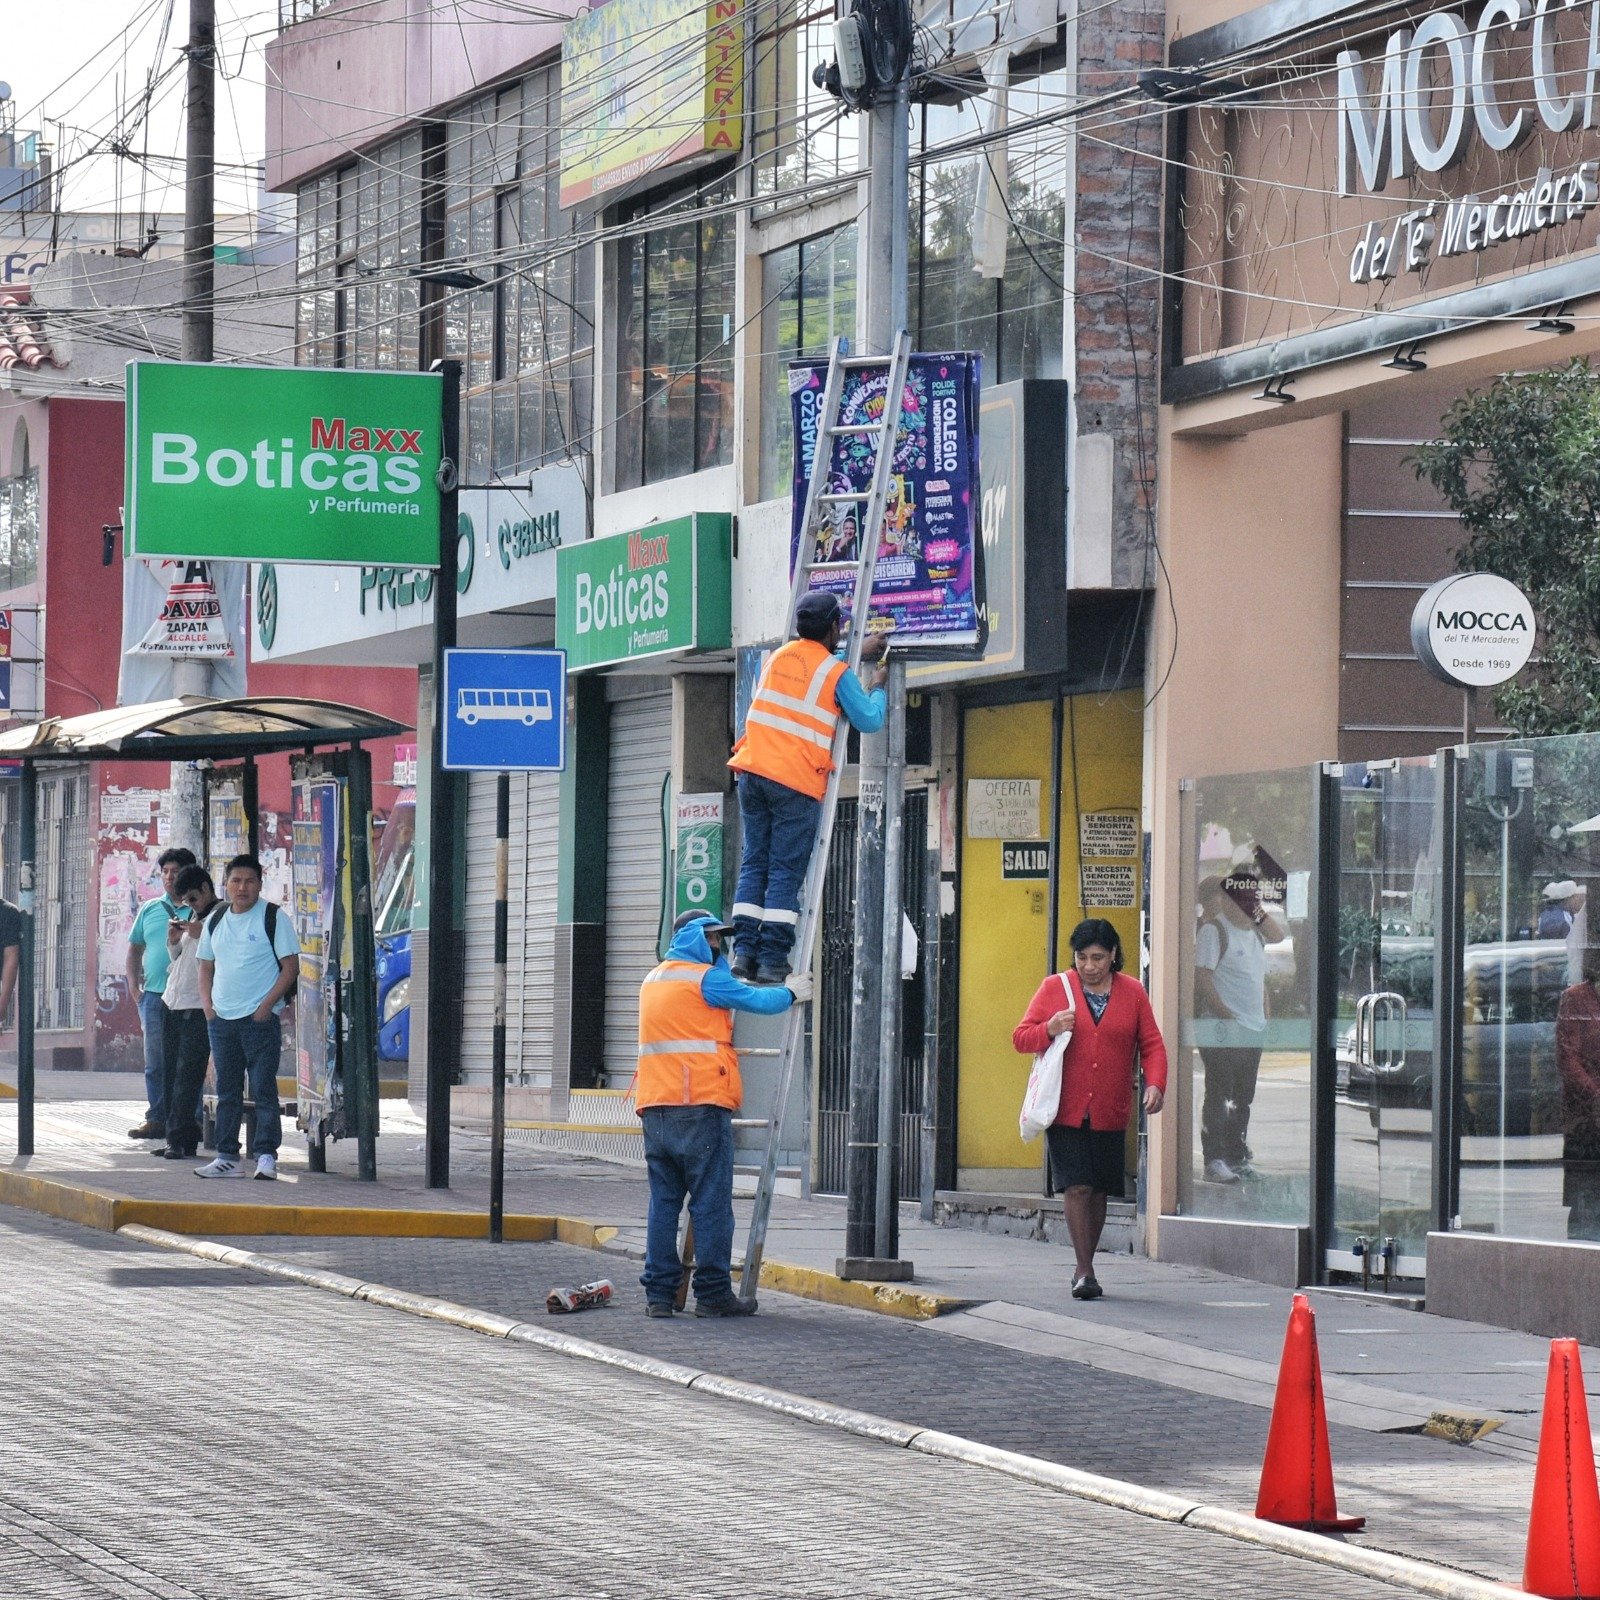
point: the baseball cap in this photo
(818, 607)
(685, 918)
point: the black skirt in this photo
(1086, 1158)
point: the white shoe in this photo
(267, 1167)
(1220, 1172)
(222, 1167)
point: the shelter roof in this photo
(196, 728)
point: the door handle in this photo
(1363, 1020)
(1393, 1007)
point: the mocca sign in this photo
(1474, 630)
(1440, 84)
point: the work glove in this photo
(799, 984)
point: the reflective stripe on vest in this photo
(793, 716)
(686, 1055)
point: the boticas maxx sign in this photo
(282, 464)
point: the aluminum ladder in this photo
(872, 503)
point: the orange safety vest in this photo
(788, 731)
(686, 1054)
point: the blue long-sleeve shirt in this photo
(863, 709)
(719, 987)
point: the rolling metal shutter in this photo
(641, 757)
(530, 921)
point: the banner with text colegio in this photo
(282, 464)
(662, 591)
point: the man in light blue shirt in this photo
(249, 958)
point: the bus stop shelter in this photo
(195, 728)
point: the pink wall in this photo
(335, 87)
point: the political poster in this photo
(927, 583)
(181, 611)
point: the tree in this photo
(1519, 462)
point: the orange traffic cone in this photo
(1297, 1475)
(1564, 1526)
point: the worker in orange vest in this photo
(783, 760)
(686, 1093)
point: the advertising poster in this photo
(927, 584)
(315, 864)
(697, 831)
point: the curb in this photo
(816, 1283)
(1404, 1572)
(96, 1208)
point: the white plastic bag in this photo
(1042, 1102)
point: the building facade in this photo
(1368, 218)
(625, 296)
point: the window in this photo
(19, 517)
(1016, 320)
(675, 309)
(803, 135)
(479, 195)
(808, 292)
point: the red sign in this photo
(5, 635)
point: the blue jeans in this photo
(689, 1151)
(241, 1046)
(779, 825)
(152, 1015)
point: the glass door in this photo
(1383, 1035)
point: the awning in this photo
(195, 728)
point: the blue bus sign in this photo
(504, 710)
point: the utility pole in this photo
(192, 675)
(872, 1221)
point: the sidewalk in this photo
(1167, 1382)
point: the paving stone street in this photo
(173, 1429)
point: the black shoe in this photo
(165, 1153)
(725, 1308)
(743, 968)
(658, 1308)
(1087, 1287)
(772, 975)
(186, 1153)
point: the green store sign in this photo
(282, 464)
(661, 591)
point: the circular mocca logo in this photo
(1475, 630)
(267, 606)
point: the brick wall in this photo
(1118, 258)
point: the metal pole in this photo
(361, 1066)
(192, 675)
(28, 849)
(199, 174)
(887, 1241)
(443, 1038)
(870, 1224)
(251, 792)
(497, 1145)
(1469, 714)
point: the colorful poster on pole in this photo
(926, 585)
(316, 865)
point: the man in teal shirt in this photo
(147, 977)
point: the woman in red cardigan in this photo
(1109, 1020)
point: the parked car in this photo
(1535, 974)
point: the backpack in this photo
(214, 921)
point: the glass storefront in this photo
(1391, 1024)
(1247, 1030)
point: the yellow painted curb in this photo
(8, 1091)
(96, 1209)
(892, 1299)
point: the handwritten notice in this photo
(1003, 808)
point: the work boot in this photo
(743, 968)
(772, 975)
(731, 1307)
